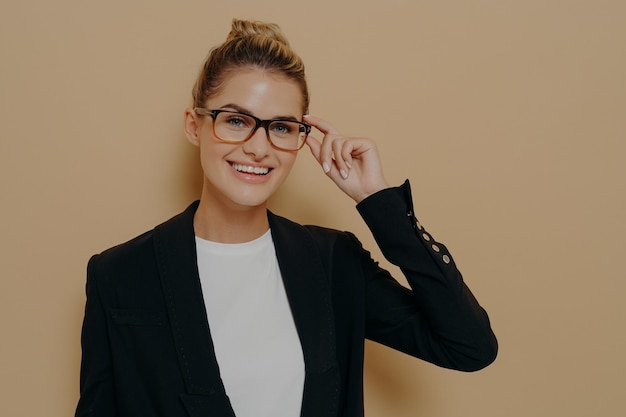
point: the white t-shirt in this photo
(256, 343)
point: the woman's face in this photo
(225, 165)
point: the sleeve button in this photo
(435, 248)
(446, 259)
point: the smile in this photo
(250, 169)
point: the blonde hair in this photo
(252, 45)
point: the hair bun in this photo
(248, 28)
(250, 45)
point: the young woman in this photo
(230, 310)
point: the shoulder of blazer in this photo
(322, 237)
(141, 248)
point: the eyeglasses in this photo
(234, 127)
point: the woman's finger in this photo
(317, 151)
(315, 146)
(327, 148)
(346, 153)
(320, 124)
(339, 147)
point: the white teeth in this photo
(251, 170)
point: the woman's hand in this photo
(352, 163)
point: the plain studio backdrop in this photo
(507, 116)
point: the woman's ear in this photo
(192, 126)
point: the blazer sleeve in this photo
(438, 319)
(96, 371)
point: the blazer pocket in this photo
(122, 317)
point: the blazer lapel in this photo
(175, 248)
(308, 289)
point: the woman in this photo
(228, 309)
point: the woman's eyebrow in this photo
(236, 108)
(240, 109)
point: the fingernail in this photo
(344, 174)
(325, 167)
(348, 165)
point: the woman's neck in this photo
(225, 224)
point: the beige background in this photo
(507, 116)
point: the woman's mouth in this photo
(250, 169)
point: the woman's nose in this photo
(258, 145)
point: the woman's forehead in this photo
(264, 94)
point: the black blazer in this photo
(147, 347)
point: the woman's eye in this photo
(236, 121)
(281, 128)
